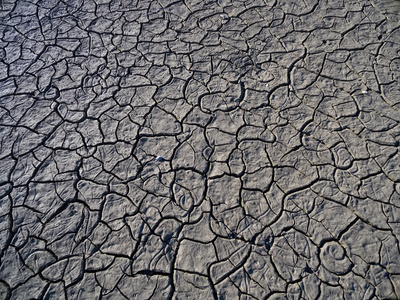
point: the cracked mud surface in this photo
(199, 149)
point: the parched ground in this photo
(199, 149)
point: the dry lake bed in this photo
(199, 149)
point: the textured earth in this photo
(199, 149)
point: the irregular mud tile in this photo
(261, 270)
(255, 133)
(221, 152)
(26, 141)
(90, 168)
(53, 229)
(218, 101)
(173, 90)
(65, 136)
(86, 287)
(98, 261)
(6, 149)
(247, 228)
(65, 245)
(332, 291)
(199, 231)
(55, 290)
(291, 179)
(90, 129)
(247, 285)
(377, 121)
(236, 164)
(310, 286)
(36, 114)
(195, 256)
(347, 182)
(364, 241)
(256, 205)
(226, 291)
(396, 282)
(290, 265)
(34, 287)
(74, 270)
(378, 188)
(114, 294)
(259, 180)
(228, 122)
(224, 190)
(65, 186)
(197, 117)
(302, 77)
(257, 159)
(294, 291)
(148, 147)
(218, 169)
(36, 257)
(193, 285)
(384, 288)
(119, 243)
(325, 225)
(90, 221)
(388, 253)
(193, 183)
(66, 160)
(356, 286)
(99, 234)
(302, 201)
(91, 193)
(5, 226)
(144, 286)
(343, 158)
(392, 168)
(127, 168)
(108, 279)
(370, 211)
(298, 116)
(183, 198)
(24, 169)
(13, 271)
(160, 122)
(27, 220)
(152, 254)
(168, 230)
(110, 155)
(117, 207)
(154, 186)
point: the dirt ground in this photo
(199, 149)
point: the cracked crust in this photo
(199, 149)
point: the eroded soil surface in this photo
(199, 149)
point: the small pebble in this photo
(364, 92)
(159, 158)
(224, 17)
(267, 85)
(268, 243)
